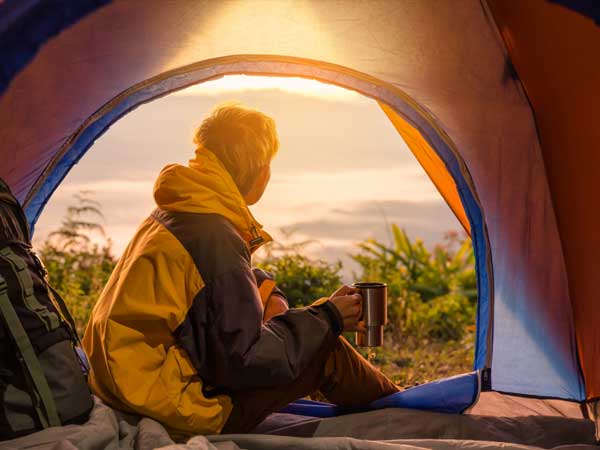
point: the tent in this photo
(497, 100)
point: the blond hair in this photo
(244, 140)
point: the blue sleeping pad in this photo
(448, 395)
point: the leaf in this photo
(401, 240)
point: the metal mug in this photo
(374, 313)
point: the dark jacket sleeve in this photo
(244, 353)
(222, 332)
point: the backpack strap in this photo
(19, 266)
(64, 312)
(42, 398)
(68, 319)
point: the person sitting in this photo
(187, 333)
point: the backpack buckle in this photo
(39, 265)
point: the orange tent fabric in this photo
(555, 51)
(431, 163)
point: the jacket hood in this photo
(205, 187)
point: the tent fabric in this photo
(554, 47)
(441, 66)
(26, 25)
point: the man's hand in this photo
(349, 303)
(275, 305)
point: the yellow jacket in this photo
(179, 324)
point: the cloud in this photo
(338, 231)
(124, 205)
(428, 221)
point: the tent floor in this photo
(492, 404)
(497, 404)
(495, 417)
(386, 429)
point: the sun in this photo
(295, 85)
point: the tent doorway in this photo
(428, 142)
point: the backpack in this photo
(42, 375)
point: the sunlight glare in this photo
(294, 85)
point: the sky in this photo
(342, 173)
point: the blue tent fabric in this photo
(26, 25)
(588, 8)
(311, 408)
(448, 395)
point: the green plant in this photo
(303, 279)
(432, 299)
(79, 267)
(430, 294)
